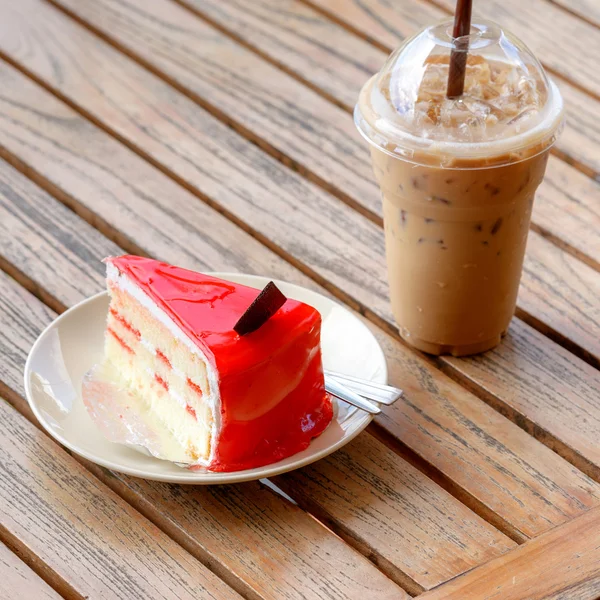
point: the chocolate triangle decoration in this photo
(265, 305)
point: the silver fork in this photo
(361, 393)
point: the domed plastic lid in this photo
(509, 110)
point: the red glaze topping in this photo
(273, 400)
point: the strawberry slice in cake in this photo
(231, 401)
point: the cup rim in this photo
(411, 146)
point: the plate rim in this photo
(201, 478)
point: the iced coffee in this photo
(458, 179)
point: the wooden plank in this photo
(387, 23)
(258, 99)
(332, 59)
(567, 209)
(219, 526)
(82, 531)
(498, 467)
(554, 396)
(560, 40)
(559, 565)
(17, 580)
(383, 498)
(273, 544)
(579, 143)
(588, 10)
(348, 230)
(573, 313)
(57, 513)
(40, 149)
(300, 40)
(468, 538)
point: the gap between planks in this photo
(281, 156)
(394, 444)
(454, 489)
(554, 72)
(566, 247)
(244, 131)
(327, 96)
(38, 566)
(582, 168)
(386, 326)
(557, 337)
(110, 232)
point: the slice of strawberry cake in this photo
(232, 398)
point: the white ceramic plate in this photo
(73, 343)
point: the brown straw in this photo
(458, 57)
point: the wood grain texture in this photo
(265, 104)
(271, 543)
(384, 23)
(579, 143)
(180, 515)
(588, 10)
(365, 484)
(139, 201)
(351, 252)
(500, 467)
(225, 525)
(560, 294)
(299, 39)
(413, 554)
(34, 148)
(559, 565)
(308, 43)
(510, 501)
(175, 131)
(567, 208)
(554, 396)
(17, 580)
(83, 533)
(387, 23)
(560, 40)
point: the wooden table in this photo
(217, 135)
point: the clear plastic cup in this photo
(458, 179)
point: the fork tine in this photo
(343, 393)
(378, 392)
